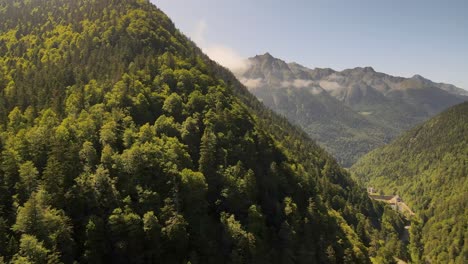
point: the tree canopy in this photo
(121, 141)
(428, 166)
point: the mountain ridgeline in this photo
(429, 167)
(122, 142)
(350, 112)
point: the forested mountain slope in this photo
(429, 167)
(121, 142)
(350, 112)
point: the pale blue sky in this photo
(399, 37)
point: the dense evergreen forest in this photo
(122, 143)
(429, 167)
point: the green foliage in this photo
(173, 106)
(120, 141)
(126, 233)
(37, 219)
(152, 229)
(416, 247)
(33, 251)
(241, 243)
(428, 167)
(28, 179)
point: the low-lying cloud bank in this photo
(309, 85)
(222, 54)
(252, 83)
(297, 83)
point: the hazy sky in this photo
(399, 37)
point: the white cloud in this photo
(297, 83)
(316, 90)
(286, 84)
(227, 57)
(311, 86)
(222, 54)
(330, 86)
(252, 83)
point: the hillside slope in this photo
(429, 167)
(121, 142)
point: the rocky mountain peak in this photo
(418, 77)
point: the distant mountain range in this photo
(349, 112)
